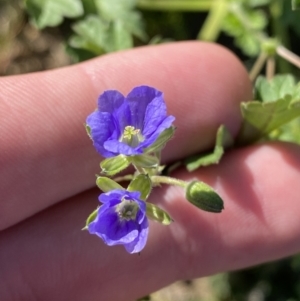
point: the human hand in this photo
(47, 168)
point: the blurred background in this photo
(39, 35)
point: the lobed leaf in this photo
(52, 12)
(279, 87)
(278, 103)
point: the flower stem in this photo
(123, 178)
(140, 170)
(258, 65)
(270, 69)
(213, 23)
(168, 180)
(288, 55)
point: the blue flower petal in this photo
(155, 113)
(114, 231)
(122, 117)
(138, 100)
(110, 100)
(112, 195)
(102, 127)
(139, 243)
(166, 123)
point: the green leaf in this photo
(114, 9)
(98, 35)
(161, 141)
(223, 140)
(107, 184)
(114, 165)
(281, 104)
(111, 29)
(122, 37)
(279, 87)
(91, 218)
(141, 183)
(92, 34)
(157, 214)
(266, 117)
(204, 197)
(145, 161)
(52, 12)
(246, 26)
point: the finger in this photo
(260, 223)
(46, 155)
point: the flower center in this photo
(132, 136)
(127, 210)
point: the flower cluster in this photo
(126, 126)
(134, 130)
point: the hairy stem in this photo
(168, 180)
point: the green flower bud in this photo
(204, 197)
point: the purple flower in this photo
(121, 220)
(127, 125)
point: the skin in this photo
(47, 168)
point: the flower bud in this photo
(204, 197)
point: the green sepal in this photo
(107, 184)
(145, 161)
(157, 214)
(114, 165)
(88, 130)
(141, 183)
(161, 141)
(223, 141)
(204, 197)
(91, 218)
